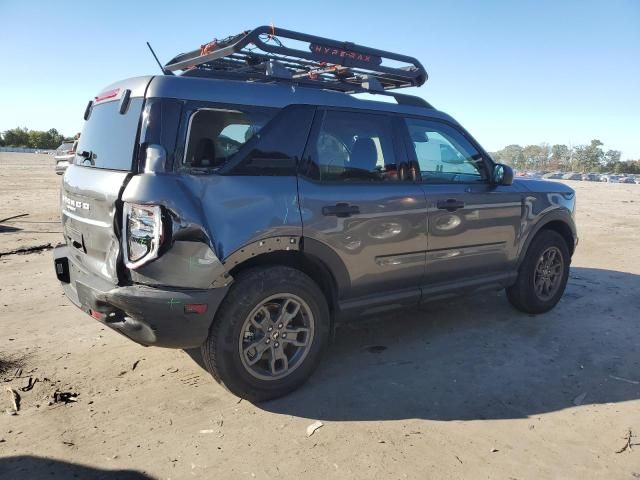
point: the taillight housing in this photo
(142, 233)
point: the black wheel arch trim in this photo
(252, 250)
(331, 261)
(557, 215)
(314, 250)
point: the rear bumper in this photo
(146, 315)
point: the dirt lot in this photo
(464, 389)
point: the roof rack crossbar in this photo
(342, 66)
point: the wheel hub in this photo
(548, 273)
(276, 336)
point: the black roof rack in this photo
(261, 55)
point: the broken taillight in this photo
(142, 228)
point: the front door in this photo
(356, 201)
(473, 225)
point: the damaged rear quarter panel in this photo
(212, 216)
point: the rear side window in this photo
(216, 135)
(353, 147)
(281, 143)
(108, 137)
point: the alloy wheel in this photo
(548, 273)
(276, 336)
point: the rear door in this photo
(355, 202)
(473, 226)
(92, 185)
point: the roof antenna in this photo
(164, 70)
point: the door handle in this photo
(450, 204)
(340, 210)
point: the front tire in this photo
(543, 274)
(269, 333)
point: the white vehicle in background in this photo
(627, 180)
(611, 178)
(64, 155)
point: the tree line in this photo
(543, 157)
(23, 137)
(581, 158)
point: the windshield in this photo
(108, 137)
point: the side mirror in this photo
(502, 175)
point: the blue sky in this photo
(511, 72)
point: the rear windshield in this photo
(109, 136)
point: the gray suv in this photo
(249, 203)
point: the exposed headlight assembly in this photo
(142, 227)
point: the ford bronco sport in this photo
(250, 202)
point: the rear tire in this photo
(269, 333)
(543, 274)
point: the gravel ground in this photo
(464, 389)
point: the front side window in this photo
(353, 147)
(444, 154)
(215, 136)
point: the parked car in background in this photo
(64, 148)
(64, 156)
(590, 177)
(627, 180)
(572, 176)
(552, 175)
(610, 178)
